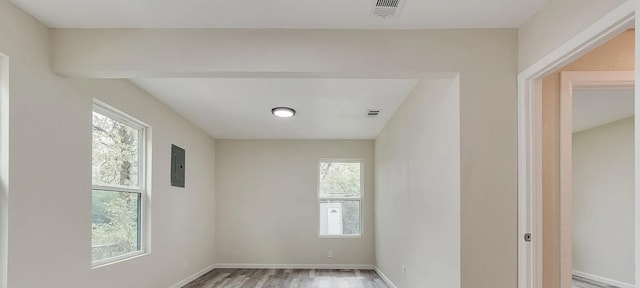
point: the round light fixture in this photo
(283, 112)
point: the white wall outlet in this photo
(330, 254)
(186, 265)
(404, 271)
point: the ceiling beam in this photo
(126, 53)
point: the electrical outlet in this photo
(186, 265)
(330, 254)
(404, 271)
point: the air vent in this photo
(386, 8)
(373, 112)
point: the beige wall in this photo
(556, 23)
(603, 201)
(485, 59)
(267, 205)
(418, 189)
(49, 208)
(615, 55)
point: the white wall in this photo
(556, 23)
(603, 201)
(49, 208)
(267, 207)
(418, 189)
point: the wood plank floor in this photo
(288, 278)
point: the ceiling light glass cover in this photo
(283, 112)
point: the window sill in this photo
(118, 259)
(340, 236)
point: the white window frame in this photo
(115, 114)
(360, 199)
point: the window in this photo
(340, 198)
(118, 180)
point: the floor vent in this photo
(386, 8)
(373, 112)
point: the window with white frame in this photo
(118, 186)
(340, 197)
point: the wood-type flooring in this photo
(288, 278)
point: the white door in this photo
(334, 219)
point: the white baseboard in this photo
(193, 277)
(603, 280)
(295, 266)
(385, 278)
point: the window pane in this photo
(116, 224)
(339, 217)
(115, 152)
(338, 179)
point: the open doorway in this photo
(596, 206)
(598, 69)
(545, 211)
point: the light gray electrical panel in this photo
(177, 166)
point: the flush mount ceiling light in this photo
(283, 112)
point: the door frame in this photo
(530, 137)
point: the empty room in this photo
(367, 143)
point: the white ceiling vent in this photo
(386, 8)
(373, 112)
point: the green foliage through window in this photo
(115, 226)
(340, 179)
(117, 194)
(115, 152)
